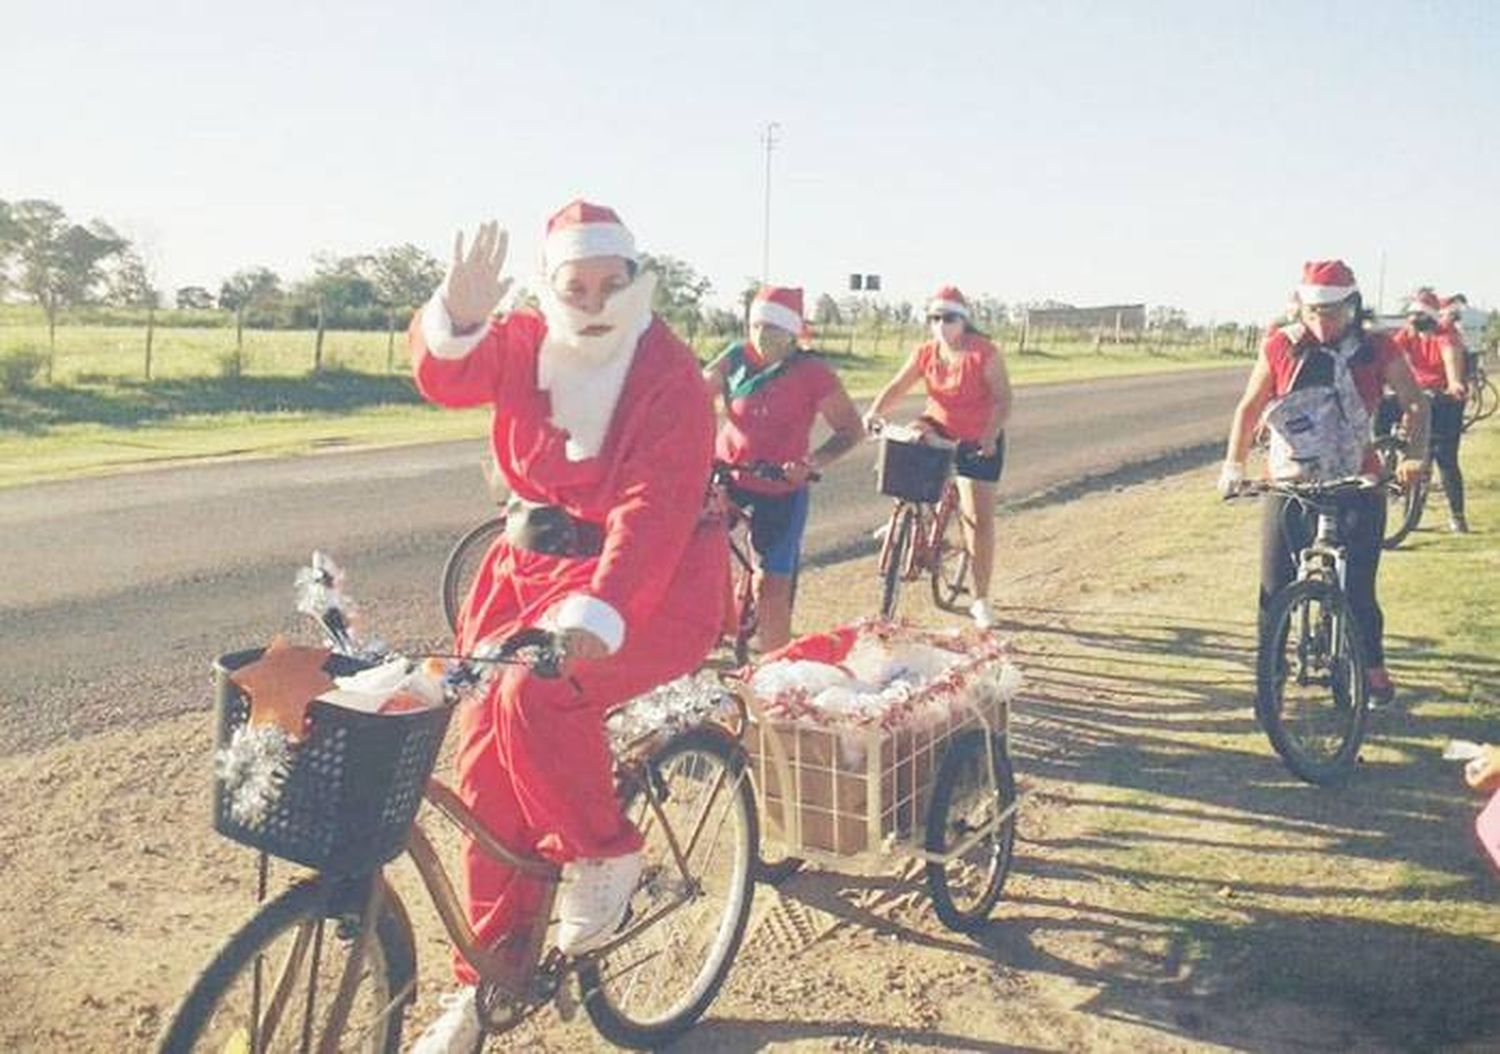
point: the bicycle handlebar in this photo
(1308, 490)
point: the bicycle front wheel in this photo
(696, 794)
(1404, 504)
(1482, 403)
(971, 822)
(1310, 690)
(893, 557)
(950, 560)
(463, 564)
(273, 986)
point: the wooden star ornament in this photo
(282, 682)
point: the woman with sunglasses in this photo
(968, 401)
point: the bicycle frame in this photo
(931, 518)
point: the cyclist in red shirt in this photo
(773, 392)
(1329, 338)
(968, 402)
(1435, 354)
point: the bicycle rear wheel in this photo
(1310, 682)
(893, 558)
(272, 986)
(975, 790)
(950, 560)
(747, 618)
(654, 987)
(462, 566)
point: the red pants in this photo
(535, 767)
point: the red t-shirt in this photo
(775, 421)
(1424, 354)
(1284, 346)
(959, 397)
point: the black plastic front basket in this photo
(355, 782)
(913, 471)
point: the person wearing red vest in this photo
(603, 432)
(774, 391)
(968, 401)
(1305, 354)
(1434, 349)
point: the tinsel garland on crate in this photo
(912, 694)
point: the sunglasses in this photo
(946, 316)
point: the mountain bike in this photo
(924, 534)
(1311, 694)
(331, 964)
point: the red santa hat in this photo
(1424, 302)
(581, 229)
(948, 300)
(779, 306)
(1326, 282)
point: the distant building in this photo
(1116, 320)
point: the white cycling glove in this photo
(1231, 476)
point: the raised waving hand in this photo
(474, 287)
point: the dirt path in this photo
(1174, 889)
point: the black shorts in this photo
(970, 464)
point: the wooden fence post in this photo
(318, 345)
(150, 333)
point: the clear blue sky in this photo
(1191, 154)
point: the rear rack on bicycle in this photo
(843, 789)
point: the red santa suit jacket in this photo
(645, 486)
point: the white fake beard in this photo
(584, 375)
(627, 313)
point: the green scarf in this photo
(741, 379)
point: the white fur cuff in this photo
(581, 611)
(438, 335)
(777, 315)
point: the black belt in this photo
(550, 529)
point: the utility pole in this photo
(1380, 287)
(768, 139)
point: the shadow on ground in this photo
(1171, 866)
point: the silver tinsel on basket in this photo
(252, 769)
(684, 703)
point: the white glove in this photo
(1231, 477)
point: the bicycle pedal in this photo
(566, 1000)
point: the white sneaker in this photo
(593, 899)
(980, 612)
(457, 1031)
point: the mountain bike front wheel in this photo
(1310, 681)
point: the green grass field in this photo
(99, 412)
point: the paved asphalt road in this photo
(116, 592)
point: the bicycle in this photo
(463, 562)
(1311, 693)
(924, 534)
(331, 962)
(742, 563)
(1483, 398)
(1405, 502)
